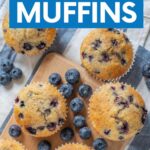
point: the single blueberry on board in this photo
(14, 131)
(76, 105)
(85, 133)
(54, 78)
(85, 90)
(44, 145)
(66, 134)
(66, 90)
(16, 73)
(72, 76)
(79, 121)
(146, 70)
(5, 78)
(6, 65)
(99, 144)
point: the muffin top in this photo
(29, 41)
(40, 109)
(117, 111)
(74, 146)
(9, 144)
(106, 53)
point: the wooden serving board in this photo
(56, 63)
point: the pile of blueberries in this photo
(8, 72)
(72, 77)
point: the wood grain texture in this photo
(56, 63)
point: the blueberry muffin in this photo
(40, 109)
(107, 54)
(74, 146)
(9, 144)
(117, 111)
(28, 41)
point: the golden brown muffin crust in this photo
(74, 146)
(106, 54)
(28, 41)
(117, 111)
(9, 144)
(40, 109)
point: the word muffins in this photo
(40, 109)
(107, 54)
(28, 41)
(117, 111)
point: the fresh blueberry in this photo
(148, 83)
(44, 145)
(4, 78)
(55, 78)
(16, 73)
(146, 70)
(67, 134)
(14, 131)
(66, 90)
(6, 65)
(79, 121)
(99, 144)
(72, 76)
(85, 133)
(76, 105)
(85, 90)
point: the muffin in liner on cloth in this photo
(116, 111)
(40, 109)
(10, 144)
(74, 146)
(107, 54)
(29, 41)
